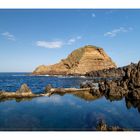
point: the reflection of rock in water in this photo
(16, 99)
(86, 95)
(132, 103)
(92, 118)
(115, 89)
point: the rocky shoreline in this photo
(127, 85)
(102, 126)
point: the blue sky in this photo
(29, 38)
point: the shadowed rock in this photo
(111, 72)
(128, 85)
(102, 126)
(87, 84)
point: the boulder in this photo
(24, 89)
(48, 88)
(87, 84)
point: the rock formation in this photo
(23, 92)
(111, 72)
(80, 61)
(24, 89)
(102, 126)
(127, 86)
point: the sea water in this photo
(60, 112)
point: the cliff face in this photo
(80, 61)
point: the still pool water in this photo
(61, 112)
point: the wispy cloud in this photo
(73, 40)
(93, 15)
(115, 32)
(57, 44)
(49, 44)
(9, 36)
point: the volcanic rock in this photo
(126, 86)
(24, 89)
(111, 72)
(102, 126)
(79, 62)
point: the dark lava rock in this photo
(111, 90)
(112, 72)
(132, 103)
(87, 84)
(94, 90)
(102, 126)
(114, 89)
(24, 89)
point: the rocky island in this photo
(79, 62)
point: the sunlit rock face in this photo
(80, 61)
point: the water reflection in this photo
(87, 96)
(84, 95)
(130, 103)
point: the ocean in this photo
(61, 111)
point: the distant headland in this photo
(80, 61)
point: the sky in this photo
(29, 38)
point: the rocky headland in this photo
(79, 62)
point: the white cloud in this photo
(49, 44)
(115, 32)
(73, 40)
(9, 36)
(57, 44)
(93, 15)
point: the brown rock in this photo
(24, 89)
(80, 61)
(102, 126)
(48, 88)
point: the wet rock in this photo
(24, 89)
(87, 84)
(48, 88)
(113, 90)
(102, 126)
